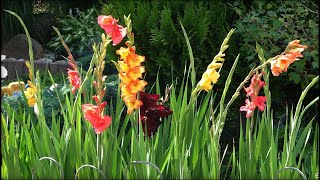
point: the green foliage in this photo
(186, 146)
(273, 25)
(112, 83)
(85, 62)
(79, 32)
(50, 103)
(159, 37)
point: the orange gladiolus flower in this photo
(292, 53)
(130, 74)
(115, 31)
(93, 114)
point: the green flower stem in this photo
(98, 154)
(67, 48)
(237, 92)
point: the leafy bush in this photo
(79, 32)
(272, 25)
(112, 83)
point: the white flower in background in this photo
(53, 86)
(36, 109)
(4, 72)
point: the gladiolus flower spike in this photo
(130, 74)
(252, 92)
(211, 75)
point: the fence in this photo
(18, 67)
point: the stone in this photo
(18, 48)
(44, 60)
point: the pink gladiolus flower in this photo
(252, 92)
(110, 26)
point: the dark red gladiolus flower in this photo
(151, 112)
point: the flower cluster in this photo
(151, 112)
(281, 62)
(130, 74)
(252, 92)
(110, 26)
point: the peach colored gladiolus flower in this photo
(280, 63)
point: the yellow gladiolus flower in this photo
(208, 77)
(30, 94)
(132, 103)
(123, 52)
(136, 72)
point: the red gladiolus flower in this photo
(93, 114)
(151, 112)
(74, 78)
(252, 92)
(110, 26)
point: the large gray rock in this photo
(18, 48)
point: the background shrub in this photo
(159, 37)
(79, 33)
(273, 25)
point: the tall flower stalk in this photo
(31, 92)
(95, 113)
(211, 75)
(130, 71)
